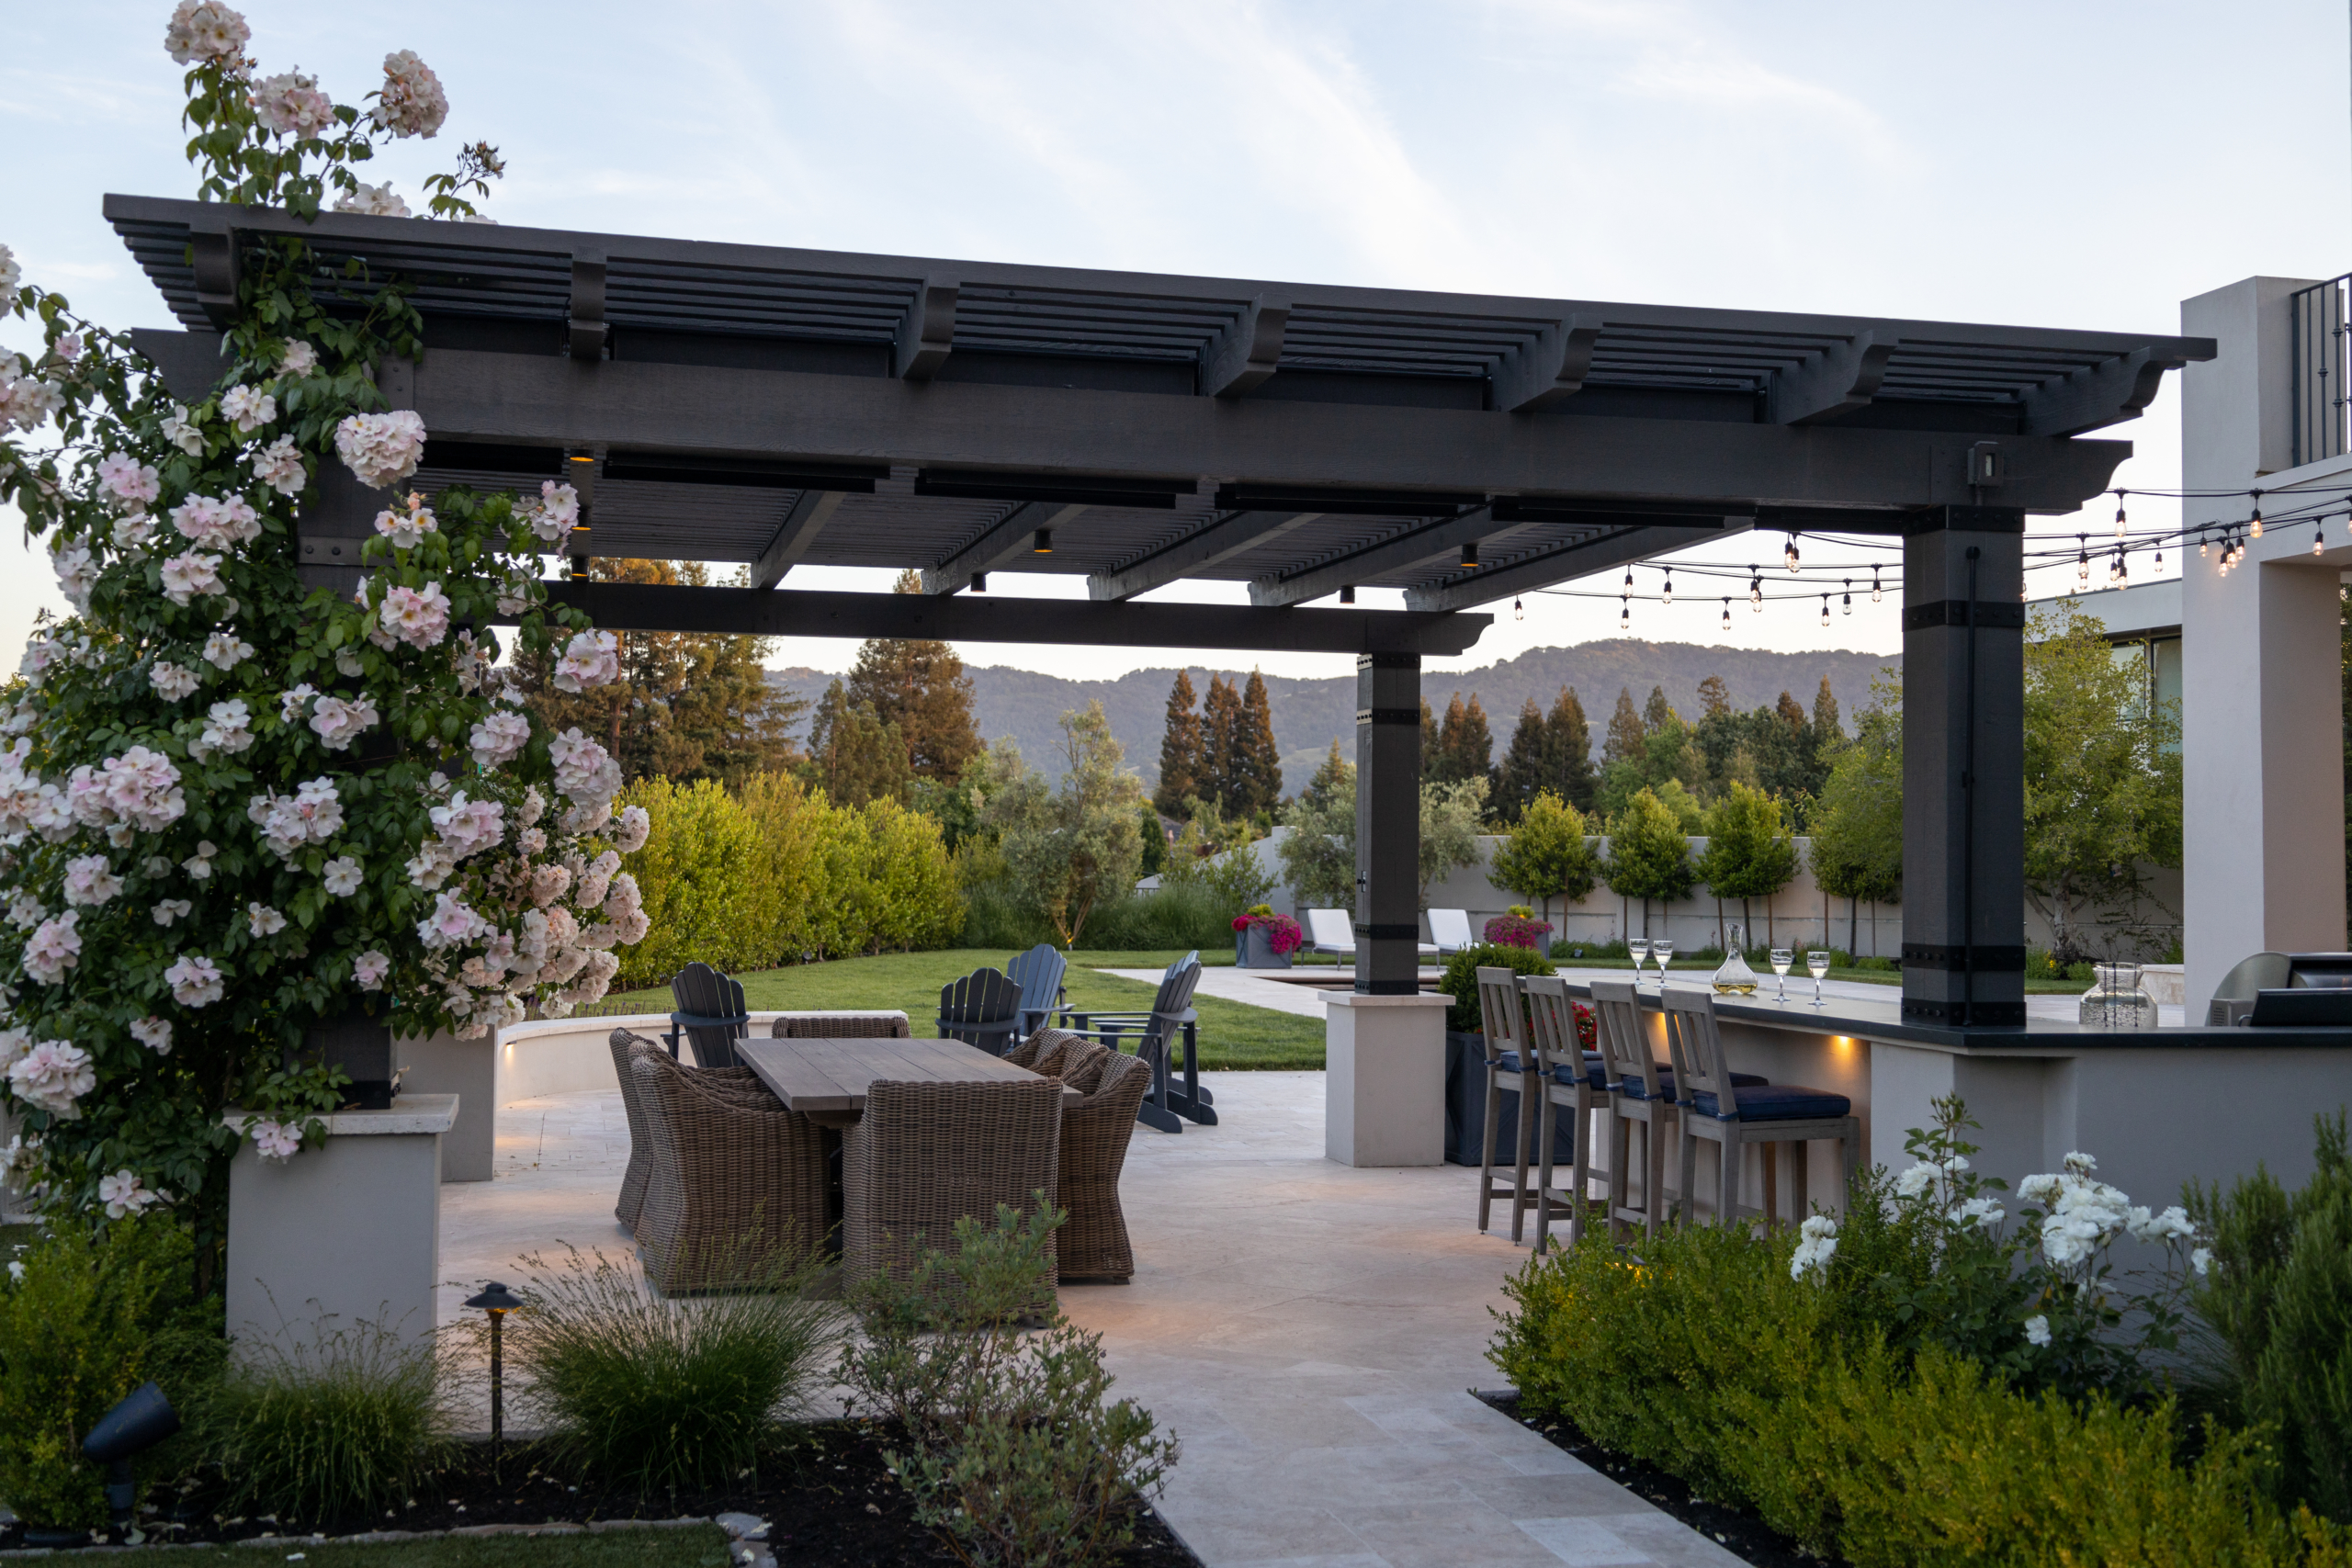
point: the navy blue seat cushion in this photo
(1665, 1086)
(1508, 1062)
(1777, 1103)
(1593, 1073)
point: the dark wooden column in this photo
(1388, 823)
(1964, 768)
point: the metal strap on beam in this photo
(1550, 369)
(801, 524)
(1430, 541)
(584, 323)
(2104, 394)
(787, 612)
(1245, 353)
(926, 332)
(212, 247)
(1213, 545)
(1834, 382)
(1572, 560)
(1007, 539)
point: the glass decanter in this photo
(2117, 1000)
(1733, 976)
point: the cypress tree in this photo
(1826, 729)
(1527, 767)
(1335, 773)
(1657, 712)
(1464, 744)
(919, 684)
(1257, 761)
(1567, 748)
(1220, 780)
(1628, 736)
(1716, 696)
(1179, 749)
(1429, 741)
(1792, 712)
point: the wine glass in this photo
(1816, 963)
(1639, 946)
(1782, 958)
(1661, 950)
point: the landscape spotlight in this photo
(144, 1419)
(497, 1300)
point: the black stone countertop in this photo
(1873, 1019)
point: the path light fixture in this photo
(497, 1300)
(144, 1419)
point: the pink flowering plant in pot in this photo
(1518, 926)
(233, 806)
(1282, 933)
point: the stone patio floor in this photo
(1310, 1332)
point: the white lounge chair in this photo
(1334, 931)
(1452, 930)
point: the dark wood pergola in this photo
(774, 407)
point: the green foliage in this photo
(1704, 1357)
(2102, 774)
(1319, 857)
(666, 1396)
(1459, 980)
(1649, 852)
(1182, 916)
(1857, 827)
(1012, 1450)
(855, 754)
(1548, 855)
(698, 875)
(1550, 753)
(339, 1429)
(1749, 853)
(1069, 849)
(2279, 1300)
(1451, 818)
(95, 1313)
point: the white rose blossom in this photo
(190, 574)
(170, 909)
(173, 682)
(11, 277)
(155, 1033)
(341, 877)
(555, 513)
(279, 466)
(53, 1076)
(411, 102)
(90, 881)
(131, 533)
(226, 649)
(195, 981)
(407, 529)
(371, 201)
(291, 105)
(370, 969)
(77, 573)
(228, 727)
(128, 483)
(2037, 1329)
(592, 660)
(339, 721)
(1818, 1243)
(205, 30)
(247, 408)
(55, 947)
(630, 829)
(381, 450)
(499, 738)
(123, 1193)
(182, 431)
(274, 1141)
(263, 920)
(299, 359)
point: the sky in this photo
(2087, 164)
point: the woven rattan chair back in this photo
(710, 1016)
(1092, 1243)
(982, 1009)
(640, 1142)
(736, 1179)
(1623, 1038)
(841, 1026)
(925, 1154)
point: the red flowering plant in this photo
(1282, 934)
(233, 806)
(1518, 926)
(1587, 1032)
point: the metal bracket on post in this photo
(587, 334)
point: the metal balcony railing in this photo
(2316, 348)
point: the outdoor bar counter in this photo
(2157, 1107)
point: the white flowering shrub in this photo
(232, 807)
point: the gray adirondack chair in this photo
(1038, 973)
(982, 1009)
(710, 1016)
(1155, 1033)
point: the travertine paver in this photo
(1309, 1331)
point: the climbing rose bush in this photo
(233, 806)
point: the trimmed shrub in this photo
(1186, 915)
(1011, 1452)
(700, 876)
(665, 1395)
(341, 1430)
(1460, 979)
(94, 1315)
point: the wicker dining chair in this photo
(926, 1155)
(624, 1043)
(1092, 1243)
(733, 1184)
(1057, 1054)
(878, 1025)
(1511, 1062)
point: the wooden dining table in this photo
(826, 1080)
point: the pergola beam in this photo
(1212, 545)
(1831, 383)
(926, 332)
(1549, 370)
(798, 530)
(1245, 353)
(1565, 563)
(2107, 393)
(1431, 541)
(787, 612)
(1009, 538)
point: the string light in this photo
(1667, 597)
(1629, 579)
(1875, 595)
(2082, 558)
(1518, 610)
(1791, 555)
(2319, 536)
(1755, 588)
(1726, 613)
(1825, 609)
(2204, 545)
(2257, 524)
(1849, 596)
(1625, 615)
(2119, 514)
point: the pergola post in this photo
(1964, 767)
(1388, 823)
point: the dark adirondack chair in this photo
(1155, 1033)
(982, 1009)
(710, 1016)
(1038, 973)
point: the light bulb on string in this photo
(1755, 590)
(1518, 610)
(1629, 579)
(1625, 615)
(2160, 557)
(1825, 609)
(2318, 537)
(2204, 545)
(2119, 514)
(1667, 596)
(1726, 613)
(1849, 596)
(2254, 524)
(2082, 558)
(1791, 554)
(1876, 594)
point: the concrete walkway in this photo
(1307, 1330)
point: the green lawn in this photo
(683, 1546)
(1231, 1033)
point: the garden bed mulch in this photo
(1736, 1531)
(829, 1498)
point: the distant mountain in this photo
(1309, 715)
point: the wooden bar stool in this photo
(1509, 1057)
(1640, 1097)
(1570, 1078)
(1718, 1107)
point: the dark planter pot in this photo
(1466, 1109)
(1254, 948)
(362, 1047)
